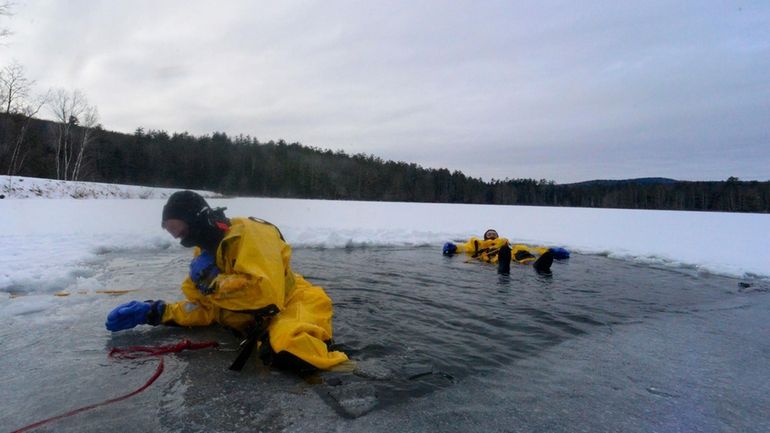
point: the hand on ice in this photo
(203, 270)
(131, 314)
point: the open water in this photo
(440, 344)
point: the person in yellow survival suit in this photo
(494, 249)
(241, 277)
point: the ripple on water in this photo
(423, 318)
(414, 321)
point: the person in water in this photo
(240, 276)
(494, 249)
(490, 235)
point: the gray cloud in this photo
(552, 90)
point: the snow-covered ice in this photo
(44, 243)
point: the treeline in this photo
(731, 195)
(244, 166)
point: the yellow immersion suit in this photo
(255, 272)
(486, 250)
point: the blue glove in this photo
(131, 314)
(203, 270)
(449, 249)
(560, 253)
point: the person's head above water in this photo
(490, 234)
(188, 217)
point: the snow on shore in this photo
(33, 187)
(48, 244)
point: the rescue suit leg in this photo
(504, 260)
(543, 264)
(523, 256)
(288, 362)
(304, 326)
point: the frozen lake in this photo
(441, 344)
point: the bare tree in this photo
(67, 108)
(14, 87)
(18, 152)
(89, 124)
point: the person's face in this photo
(177, 228)
(490, 235)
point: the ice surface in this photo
(44, 244)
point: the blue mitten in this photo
(560, 253)
(131, 314)
(203, 270)
(449, 249)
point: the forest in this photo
(78, 148)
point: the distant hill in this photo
(637, 181)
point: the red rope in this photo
(132, 352)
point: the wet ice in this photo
(602, 345)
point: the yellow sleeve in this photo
(195, 311)
(198, 310)
(470, 247)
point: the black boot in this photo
(504, 260)
(543, 264)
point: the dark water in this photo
(431, 320)
(440, 344)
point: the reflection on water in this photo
(413, 320)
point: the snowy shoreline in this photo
(20, 187)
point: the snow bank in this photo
(33, 187)
(49, 245)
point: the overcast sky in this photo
(566, 91)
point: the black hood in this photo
(206, 226)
